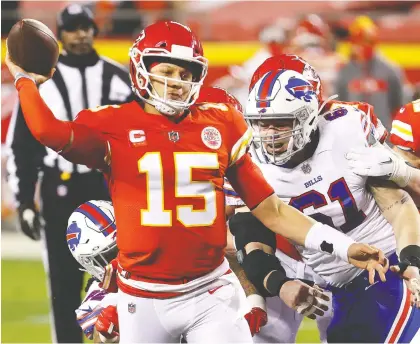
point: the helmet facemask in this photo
(142, 85)
(94, 264)
(304, 122)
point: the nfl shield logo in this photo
(306, 168)
(173, 136)
(131, 308)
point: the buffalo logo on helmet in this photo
(73, 235)
(300, 89)
(211, 137)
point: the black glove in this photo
(30, 221)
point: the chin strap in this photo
(162, 107)
(166, 109)
(334, 96)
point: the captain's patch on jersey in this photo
(211, 137)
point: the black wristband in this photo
(275, 281)
(411, 255)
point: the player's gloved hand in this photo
(30, 221)
(411, 276)
(109, 281)
(257, 316)
(379, 161)
(107, 325)
(369, 258)
(304, 299)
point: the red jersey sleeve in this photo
(77, 142)
(405, 131)
(248, 182)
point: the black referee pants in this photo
(65, 280)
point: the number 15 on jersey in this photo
(156, 214)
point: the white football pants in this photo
(205, 315)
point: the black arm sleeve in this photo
(246, 228)
(25, 156)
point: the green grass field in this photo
(24, 305)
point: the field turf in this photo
(24, 305)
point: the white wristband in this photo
(326, 239)
(23, 75)
(255, 300)
(401, 174)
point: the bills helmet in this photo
(289, 62)
(282, 94)
(91, 236)
(169, 42)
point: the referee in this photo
(82, 80)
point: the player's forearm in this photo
(283, 219)
(293, 225)
(247, 286)
(400, 211)
(42, 123)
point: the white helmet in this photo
(282, 94)
(91, 236)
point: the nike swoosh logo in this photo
(370, 286)
(212, 291)
(389, 161)
(86, 310)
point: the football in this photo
(33, 46)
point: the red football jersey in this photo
(405, 131)
(166, 184)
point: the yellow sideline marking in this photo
(228, 53)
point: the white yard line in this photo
(15, 245)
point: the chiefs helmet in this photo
(363, 35)
(310, 31)
(218, 95)
(170, 42)
(282, 94)
(289, 62)
(91, 236)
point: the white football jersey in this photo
(96, 299)
(325, 188)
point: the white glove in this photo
(379, 161)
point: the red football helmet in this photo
(363, 38)
(171, 42)
(218, 95)
(289, 62)
(310, 31)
